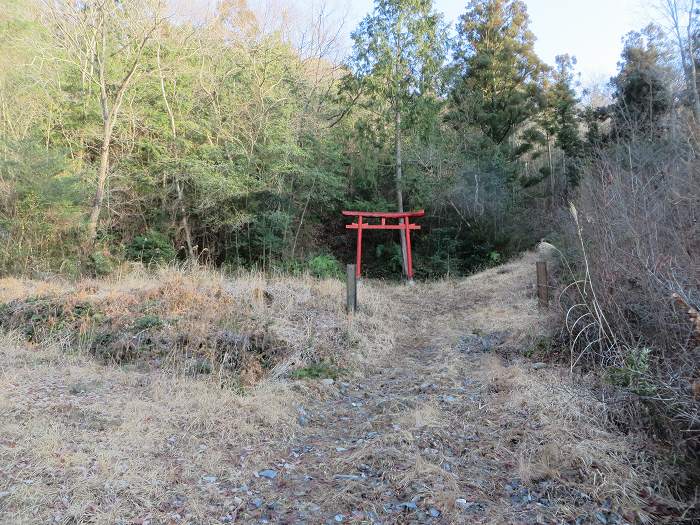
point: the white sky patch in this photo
(590, 30)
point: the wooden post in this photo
(351, 297)
(542, 284)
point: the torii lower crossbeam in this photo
(404, 224)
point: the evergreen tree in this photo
(398, 53)
(642, 93)
(561, 119)
(497, 85)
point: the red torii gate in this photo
(404, 224)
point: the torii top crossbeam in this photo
(404, 223)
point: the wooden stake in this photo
(351, 297)
(542, 284)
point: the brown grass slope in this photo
(157, 399)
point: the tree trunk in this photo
(184, 222)
(691, 34)
(551, 172)
(399, 191)
(397, 139)
(102, 175)
(693, 81)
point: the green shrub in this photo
(153, 247)
(324, 266)
(633, 374)
(100, 263)
(146, 322)
(317, 371)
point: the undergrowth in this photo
(239, 330)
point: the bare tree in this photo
(105, 41)
(182, 208)
(682, 18)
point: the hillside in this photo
(420, 409)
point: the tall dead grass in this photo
(124, 441)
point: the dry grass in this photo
(249, 327)
(89, 443)
(507, 422)
(86, 442)
(550, 429)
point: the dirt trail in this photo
(420, 437)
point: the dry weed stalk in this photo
(585, 320)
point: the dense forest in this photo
(128, 133)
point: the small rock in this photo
(339, 518)
(476, 343)
(341, 449)
(268, 473)
(209, 479)
(236, 501)
(303, 418)
(348, 477)
(256, 502)
(601, 518)
(408, 505)
(327, 381)
(463, 504)
(434, 512)
(4, 493)
(539, 366)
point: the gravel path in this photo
(422, 435)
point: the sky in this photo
(590, 30)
